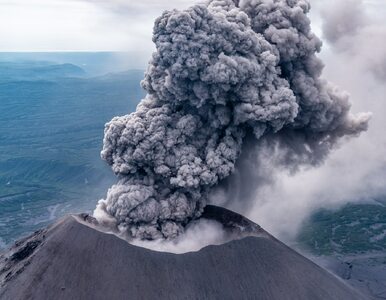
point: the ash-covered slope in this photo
(71, 260)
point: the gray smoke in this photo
(226, 81)
(351, 30)
(341, 19)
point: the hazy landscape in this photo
(53, 116)
(51, 130)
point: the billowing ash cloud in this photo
(223, 76)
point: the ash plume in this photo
(352, 30)
(227, 77)
(343, 18)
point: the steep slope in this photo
(71, 260)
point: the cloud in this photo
(342, 19)
(356, 28)
(144, 7)
(354, 57)
(42, 25)
(80, 25)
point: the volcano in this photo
(73, 260)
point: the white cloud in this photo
(59, 25)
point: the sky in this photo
(354, 52)
(77, 25)
(96, 25)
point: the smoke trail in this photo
(223, 74)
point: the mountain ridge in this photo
(70, 260)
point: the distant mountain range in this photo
(51, 128)
(94, 63)
(31, 71)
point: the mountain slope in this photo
(71, 260)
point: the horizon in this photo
(94, 62)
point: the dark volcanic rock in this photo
(232, 222)
(70, 260)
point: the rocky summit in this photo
(73, 260)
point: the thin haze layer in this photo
(223, 74)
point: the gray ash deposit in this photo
(73, 260)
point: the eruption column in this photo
(224, 72)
